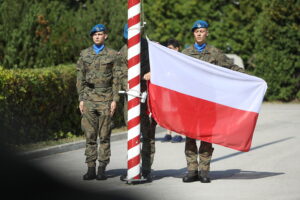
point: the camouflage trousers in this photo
(96, 122)
(191, 154)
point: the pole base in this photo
(133, 181)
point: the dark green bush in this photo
(40, 104)
(276, 56)
(42, 33)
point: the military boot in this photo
(101, 173)
(204, 165)
(147, 175)
(191, 176)
(203, 177)
(123, 177)
(91, 174)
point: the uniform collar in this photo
(199, 48)
(98, 48)
(205, 51)
(103, 52)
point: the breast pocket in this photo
(87, 60)
(88, 63)
(106, 66)
(209, 59)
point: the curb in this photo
(70, 146)
(64, 147)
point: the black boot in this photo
(148, 176)
(191, 176)
(91, 174)
(101, 173)
(203, 177)
(123, 177)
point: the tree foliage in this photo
(39, 33)
(276, 55)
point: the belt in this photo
(103, 85)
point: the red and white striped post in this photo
(134, 50)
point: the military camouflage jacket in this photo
(212, 55)
(98, 75)
(145, 66)
(124, 68)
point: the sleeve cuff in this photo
(116, 98)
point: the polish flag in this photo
(203, 101)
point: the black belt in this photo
(92, 85)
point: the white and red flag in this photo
(203, 101)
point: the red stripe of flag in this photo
(202, 119)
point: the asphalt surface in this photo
(270, 170)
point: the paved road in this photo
(270, 170)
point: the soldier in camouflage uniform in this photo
(148, 124)
(202, 51)
(124, 70)
(98, 71)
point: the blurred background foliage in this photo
(42, 35)
(265, 34)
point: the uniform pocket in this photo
(87, 60)
(106, 66)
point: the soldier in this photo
(147, 125)
(202, 51)
(124, 71)
(98, 71)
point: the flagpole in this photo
(134, 50)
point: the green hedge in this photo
(40, 104)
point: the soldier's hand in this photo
(147, 76)
(113, 107)
(81, 106)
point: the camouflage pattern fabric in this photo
(124, 68)
(124, 80)
(215, 56)
(97, 86)
(212, 55)
(98, 75)
(96, 122)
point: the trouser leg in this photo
(104, 132)
(191, 154)
(205, 154)
(89, 124)
(125, 110)
(148, 133)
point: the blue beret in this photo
(125, 33)
(199, 24)
(97, 28)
